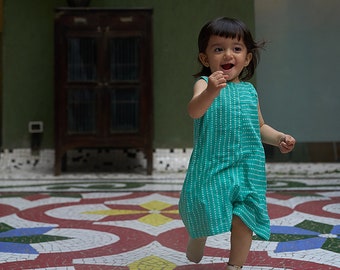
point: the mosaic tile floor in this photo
(132, 222)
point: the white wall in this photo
(299, 73)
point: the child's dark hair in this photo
(229, 28)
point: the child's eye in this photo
(237, 49)
(218, 50)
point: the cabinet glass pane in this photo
(124, 110)
(81, 59)
(124, 58)
(81, 111)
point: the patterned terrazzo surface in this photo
(131, 221)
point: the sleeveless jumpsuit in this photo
(226, 173)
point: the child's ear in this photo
(248, 59)
(204, 59)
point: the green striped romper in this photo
(226, 174)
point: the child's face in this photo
(226, 54)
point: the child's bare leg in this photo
(195, 249)
(241, 238)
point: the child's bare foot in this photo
(233, 267)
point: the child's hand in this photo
(217, 81)
(286, 144)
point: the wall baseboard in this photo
(96, 160)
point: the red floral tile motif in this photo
(132, 230)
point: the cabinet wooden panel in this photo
(103, 81)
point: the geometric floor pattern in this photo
(134, 224)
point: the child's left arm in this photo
(271, 136)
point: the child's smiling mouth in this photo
(227, 66)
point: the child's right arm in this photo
(205, 93)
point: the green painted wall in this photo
(300, 67)
(28, 63)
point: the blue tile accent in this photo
(8, 247)
(305, 244)
(291, 230)
(25, 232)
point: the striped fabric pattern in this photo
(226, 174)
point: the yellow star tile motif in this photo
(155, 219)
(114, 212)
(154, 210)
(155, 205)
(152, 263)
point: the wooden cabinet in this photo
(103, 81)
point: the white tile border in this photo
(165, 161)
